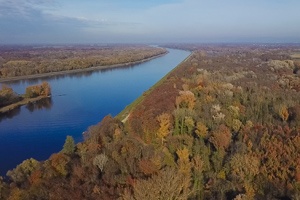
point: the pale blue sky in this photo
(151, 21)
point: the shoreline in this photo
(23, 102)
(33, 76)
(124, 114)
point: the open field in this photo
(296, 56)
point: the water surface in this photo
(78, 101)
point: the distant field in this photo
(296, 56)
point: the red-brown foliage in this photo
(221, 137)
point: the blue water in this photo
(78, 101)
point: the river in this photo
(78, 101)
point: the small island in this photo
(10, 100)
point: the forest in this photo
(224, 124)
(30, 60)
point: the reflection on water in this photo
(38, 105)
(10, 114)
(41, 104)
(82, 74)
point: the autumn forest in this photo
(224, 124)
(16, 61)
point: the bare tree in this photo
(100, 161)
(168, 184)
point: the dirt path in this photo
(126, 118)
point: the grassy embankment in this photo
(124, 114)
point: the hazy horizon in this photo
(153, 21)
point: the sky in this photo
(149, 21)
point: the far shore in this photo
(33, 76)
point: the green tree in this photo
(69, 146)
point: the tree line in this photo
(29, 60)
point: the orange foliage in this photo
(59, 162)
(142, 120)
(15, 194)
(284, 114)
(78, 171)
(278, 152)
(186, 99)
(297, 176)
(35, 177)
(221, 137)
(148, 167)
(164, 125)
(183, 160)
(43, 89)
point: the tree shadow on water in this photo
(41, 104)
(10, 114)
(38, 105)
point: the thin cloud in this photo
(174, 20)
(24, 8)
(84, 21)
(46, 10)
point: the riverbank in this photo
(125, 113)
(85, 101)
(3, 80)
(25, 101)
